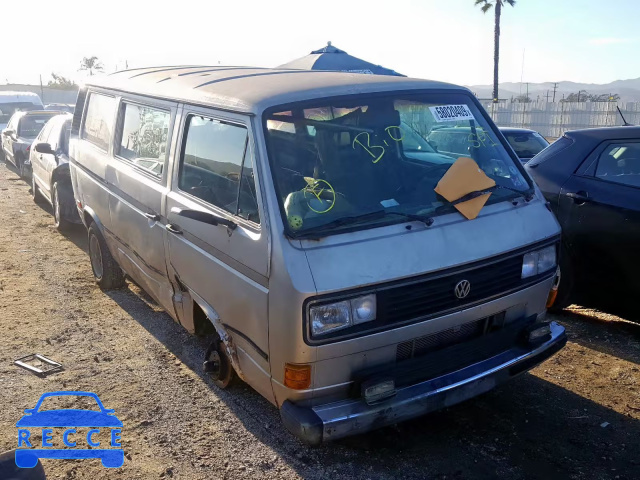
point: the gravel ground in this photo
(575, 416)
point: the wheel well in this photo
(88, 219)
(60, 176)
(201, 324)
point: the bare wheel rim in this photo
(96, 256)
(56, 207)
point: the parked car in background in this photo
(12, 102)
(60, 107)
(21, 130)
(50, 178)
(591, 178)
(526, 143)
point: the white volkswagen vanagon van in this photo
(294, 215)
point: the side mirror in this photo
(8, 133)
(44, 148)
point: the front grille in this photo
(498, 338)
(428, 297)
(445, 338)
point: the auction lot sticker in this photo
(451, 113)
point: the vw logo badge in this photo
(463, 287)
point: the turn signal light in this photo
(553, 293)
(297, 377)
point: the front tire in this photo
(35, 192)
(59, 207)
(566, 286)
(107, 272)
(218, 365)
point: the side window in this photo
(145, 132)
(52, 135)
(620, 163)
(213, 166)
(98, 120)
(13, 123)
(65, 132)
(44, 133)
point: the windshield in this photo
(526, 144)
(30, 125)
(9, 108)
(346, 159)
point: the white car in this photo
(50, 180)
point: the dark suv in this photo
(16, 139)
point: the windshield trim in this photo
(267, 113)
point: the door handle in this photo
(579, 197)
(174, 229)
(152, 216)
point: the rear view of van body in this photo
(292, 214)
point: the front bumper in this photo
(353, 416)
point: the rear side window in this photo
(620, 163)
(216, 166)
(98, 120)
(145, 132)
(30, 126)
(551, 151)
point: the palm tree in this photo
(486, 6)
(91, 64)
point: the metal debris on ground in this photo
(40, 365)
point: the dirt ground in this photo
(576, 416)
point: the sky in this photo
(587, 41)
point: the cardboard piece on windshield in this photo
(462, 178)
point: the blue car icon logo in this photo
(69, 419)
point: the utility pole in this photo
(41, 89)
(547, 96)
(555, 87)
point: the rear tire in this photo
(60, 206)
(22, 168)
(107, 272)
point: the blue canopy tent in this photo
(332, 58)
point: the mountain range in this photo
(629, 90)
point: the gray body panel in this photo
(252, 282)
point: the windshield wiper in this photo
(377, 214)
(527, 194)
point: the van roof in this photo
(253, 89)
(29, 96)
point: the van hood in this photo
(393, 252)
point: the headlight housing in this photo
(344, 314)
(540, 261)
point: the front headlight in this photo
(347, 313)
(538, 262)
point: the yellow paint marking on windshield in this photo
(481, 139)
(317, 187)
(369, 148)
(388, 130)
